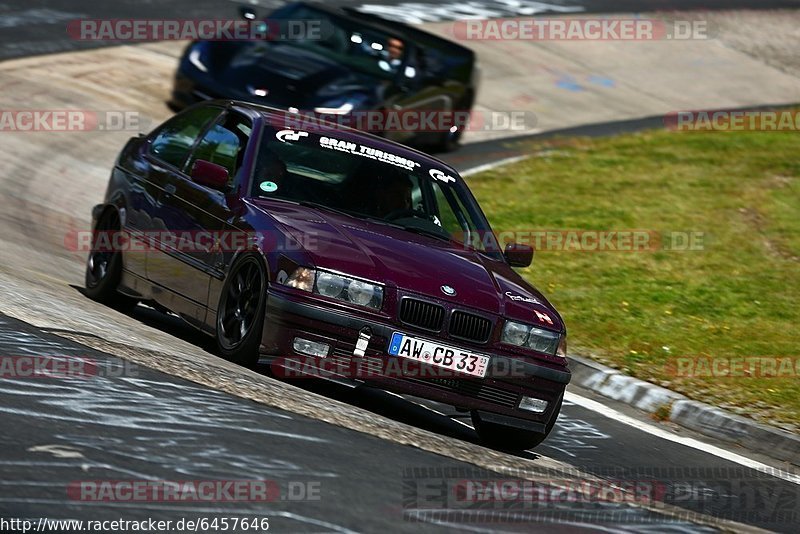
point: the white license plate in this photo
(438, 355)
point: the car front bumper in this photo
(496, 396)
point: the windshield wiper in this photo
(310, 204)
(426, 232)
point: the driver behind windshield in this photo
(393, 195)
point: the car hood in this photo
(412, 263)
(290, 75)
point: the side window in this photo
(176, 138)
(224, 144)
(452, 217)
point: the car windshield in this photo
(343, 41)
(358, 180)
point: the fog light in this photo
(532, 404)
(310, 348)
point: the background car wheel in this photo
(448, 141)
(240, 314)
(509, 438)
(104, 268)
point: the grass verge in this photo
(679, 318)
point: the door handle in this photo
(169, 190)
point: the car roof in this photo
(259, 111)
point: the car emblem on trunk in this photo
(447, 290)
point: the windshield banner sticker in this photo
(436, 174)
(290, 135)
(367, 152)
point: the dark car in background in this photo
(350, 64)
(335, 248)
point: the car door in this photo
(167, 152)
(198, 217)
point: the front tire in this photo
(510, 438)
(104, 267)
(240, 314)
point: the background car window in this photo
(176, 138)
(224, 144)
(347, 42)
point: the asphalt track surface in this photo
(143, 424)
(123, 422)
(37, 27)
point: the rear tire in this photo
(510, 438)
(240, 314)
(104, 268)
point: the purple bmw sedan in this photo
(334, 253)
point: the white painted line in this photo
(492, 165)
(605, 411)
(59, 451)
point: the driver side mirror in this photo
(210, 175)
(518, 255)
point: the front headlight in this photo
(337, 287)
(516, 333)
(530, 337)
(330, 285)
(350, 290)
(362, 293)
